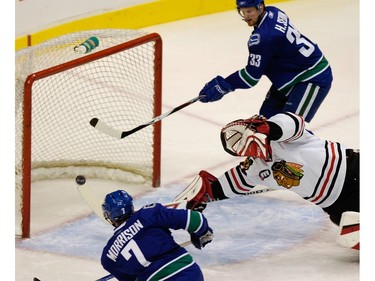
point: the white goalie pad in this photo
(348, 235)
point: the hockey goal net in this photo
(58, 91)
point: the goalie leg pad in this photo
(199, 192)
(348, 235)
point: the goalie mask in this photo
(247, 137)
(117, 206)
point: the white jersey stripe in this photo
(303, 100)
(311, 102)
(307, 100)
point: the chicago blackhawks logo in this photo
(287, 174)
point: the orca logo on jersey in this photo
(254, 39)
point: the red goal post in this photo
(58, 91)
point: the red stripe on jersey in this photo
(329, 174)
(236, 182)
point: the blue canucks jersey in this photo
(280, 52)
(142, 248)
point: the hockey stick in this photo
(90, 198)
(104, 278)
(107, 129)
(96, 205)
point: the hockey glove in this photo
(200, 241)
(247, 137)
(199, 192)
(215, 89)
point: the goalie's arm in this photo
(206, 188)
(286, 127)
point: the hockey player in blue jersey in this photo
(301, 76)
(142, 247)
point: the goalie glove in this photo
(247, 137)
(200, 242)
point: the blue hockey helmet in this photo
(117, 206)
(248, 3)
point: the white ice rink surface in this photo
(274, 236)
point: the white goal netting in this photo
(58, 91)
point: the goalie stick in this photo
(96, 205)
(107, 129)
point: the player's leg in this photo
(349, 199)
(349, 230)
(305, 99)
(273, 104)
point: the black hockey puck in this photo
(81, 180)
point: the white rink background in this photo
(274, 236)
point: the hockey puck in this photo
(81, 180)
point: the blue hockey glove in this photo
(200, 241)
(215, 89)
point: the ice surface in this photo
(272, 236)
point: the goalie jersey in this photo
(142, 248)
(301, 162)
(280, 52)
